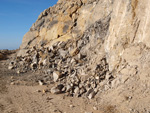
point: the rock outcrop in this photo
(89, 45)
(5, 53)
(66, 20)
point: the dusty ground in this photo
(22, 94)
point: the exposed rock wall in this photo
(127, 43)
(66, 20)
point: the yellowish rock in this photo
(74, 52)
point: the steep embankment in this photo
(87, 47)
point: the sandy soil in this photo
(22, 94)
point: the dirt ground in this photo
(22, 94)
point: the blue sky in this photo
(16, 18)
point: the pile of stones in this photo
(76, 67)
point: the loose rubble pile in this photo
(77, 67)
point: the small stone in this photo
(18, 72)
(45, 62)
(10, 67)
(35, 60)
(56, 75)
(68, 88)
(45, 91)
(97, 77)
(91, 95)
(71, 106)
(96, 90)
(38, 91)
(33, 65)
(74, 52)
(89, 91)
(76, 92)
(80, 56)
(82, 90)
(12, 83)
(63, 53)
(63, 89)
(73, 61)
(55, 90)
(41, 83)
(95, 108)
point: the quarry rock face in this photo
(66, 20)
(92, 43)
